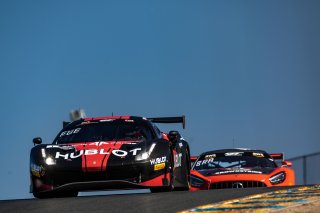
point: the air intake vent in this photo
(237, 184)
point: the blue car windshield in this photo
(228, 162)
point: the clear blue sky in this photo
(247, 70)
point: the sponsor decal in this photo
(238, 171)
(233, 153)
(70, 132)
(37, 171)
(106, 143)
(105, 120)
(203, 162)
(177, 160)
(116, 152)
(258, 155)
(159, 166)
(52, 146)
(98, 143)
(210, 156)
(158, 160)
(68, 147)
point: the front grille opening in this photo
(237, 184)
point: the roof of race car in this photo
(126, 117)
(107, 118)
(177, 119)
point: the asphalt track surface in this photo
(140, 203)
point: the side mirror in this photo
(287, 163)
(37, 140)
(173, 135)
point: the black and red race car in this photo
(240, 168)
(112, 152)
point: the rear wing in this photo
(277, 156)
(180, 119)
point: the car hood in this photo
(92, 156)
(226, 171)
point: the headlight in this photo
(278, 178)
(50, 161)
(196, 182)
(43, 153)
(142, 156)
(145, 155)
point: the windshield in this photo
(228, 162)
(104, 131)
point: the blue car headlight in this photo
(277, 178)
